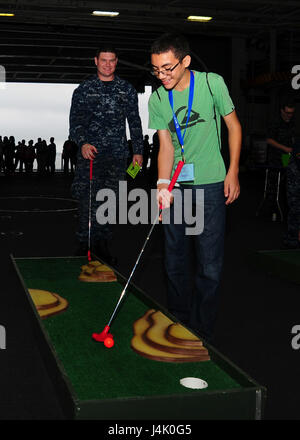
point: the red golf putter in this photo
(90, 212)
(100, 337)
(104, 336)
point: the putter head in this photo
(100, 337)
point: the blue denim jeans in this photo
(194, 262)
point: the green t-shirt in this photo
(201, 146)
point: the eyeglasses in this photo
(156, 72)
(289, 113)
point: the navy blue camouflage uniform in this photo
(293, 198)
(98, 117)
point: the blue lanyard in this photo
(177, 126)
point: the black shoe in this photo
(101, 250)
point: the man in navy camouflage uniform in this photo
(100, 107)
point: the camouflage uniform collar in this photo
(99, 81)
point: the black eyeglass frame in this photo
(164, 71)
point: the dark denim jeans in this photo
(194, 262)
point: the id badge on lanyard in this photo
(187, 172)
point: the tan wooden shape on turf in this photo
(156, 337)
(47, 303)
(96, 272)
(180, 335)
(140, 346)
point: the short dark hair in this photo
(287, 101)
(177, 43)
(106, 48)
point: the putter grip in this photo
(174, 178)
(175, 175)
(91, 170)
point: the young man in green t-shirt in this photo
(186, 111)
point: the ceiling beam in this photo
(160, 11)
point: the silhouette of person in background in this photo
(9, 152)
(68, 155)
(17, 155)
(20, 155)
(43, 157)
(38, 147)
(29, 157)
(5, 143)
(51, 156)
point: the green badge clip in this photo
(285, 158)
(133, 170)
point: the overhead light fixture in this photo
(6, 14)
(199, 18)
(105, 13)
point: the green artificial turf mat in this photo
(282, 263)
(288, 256)
(95, 371)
